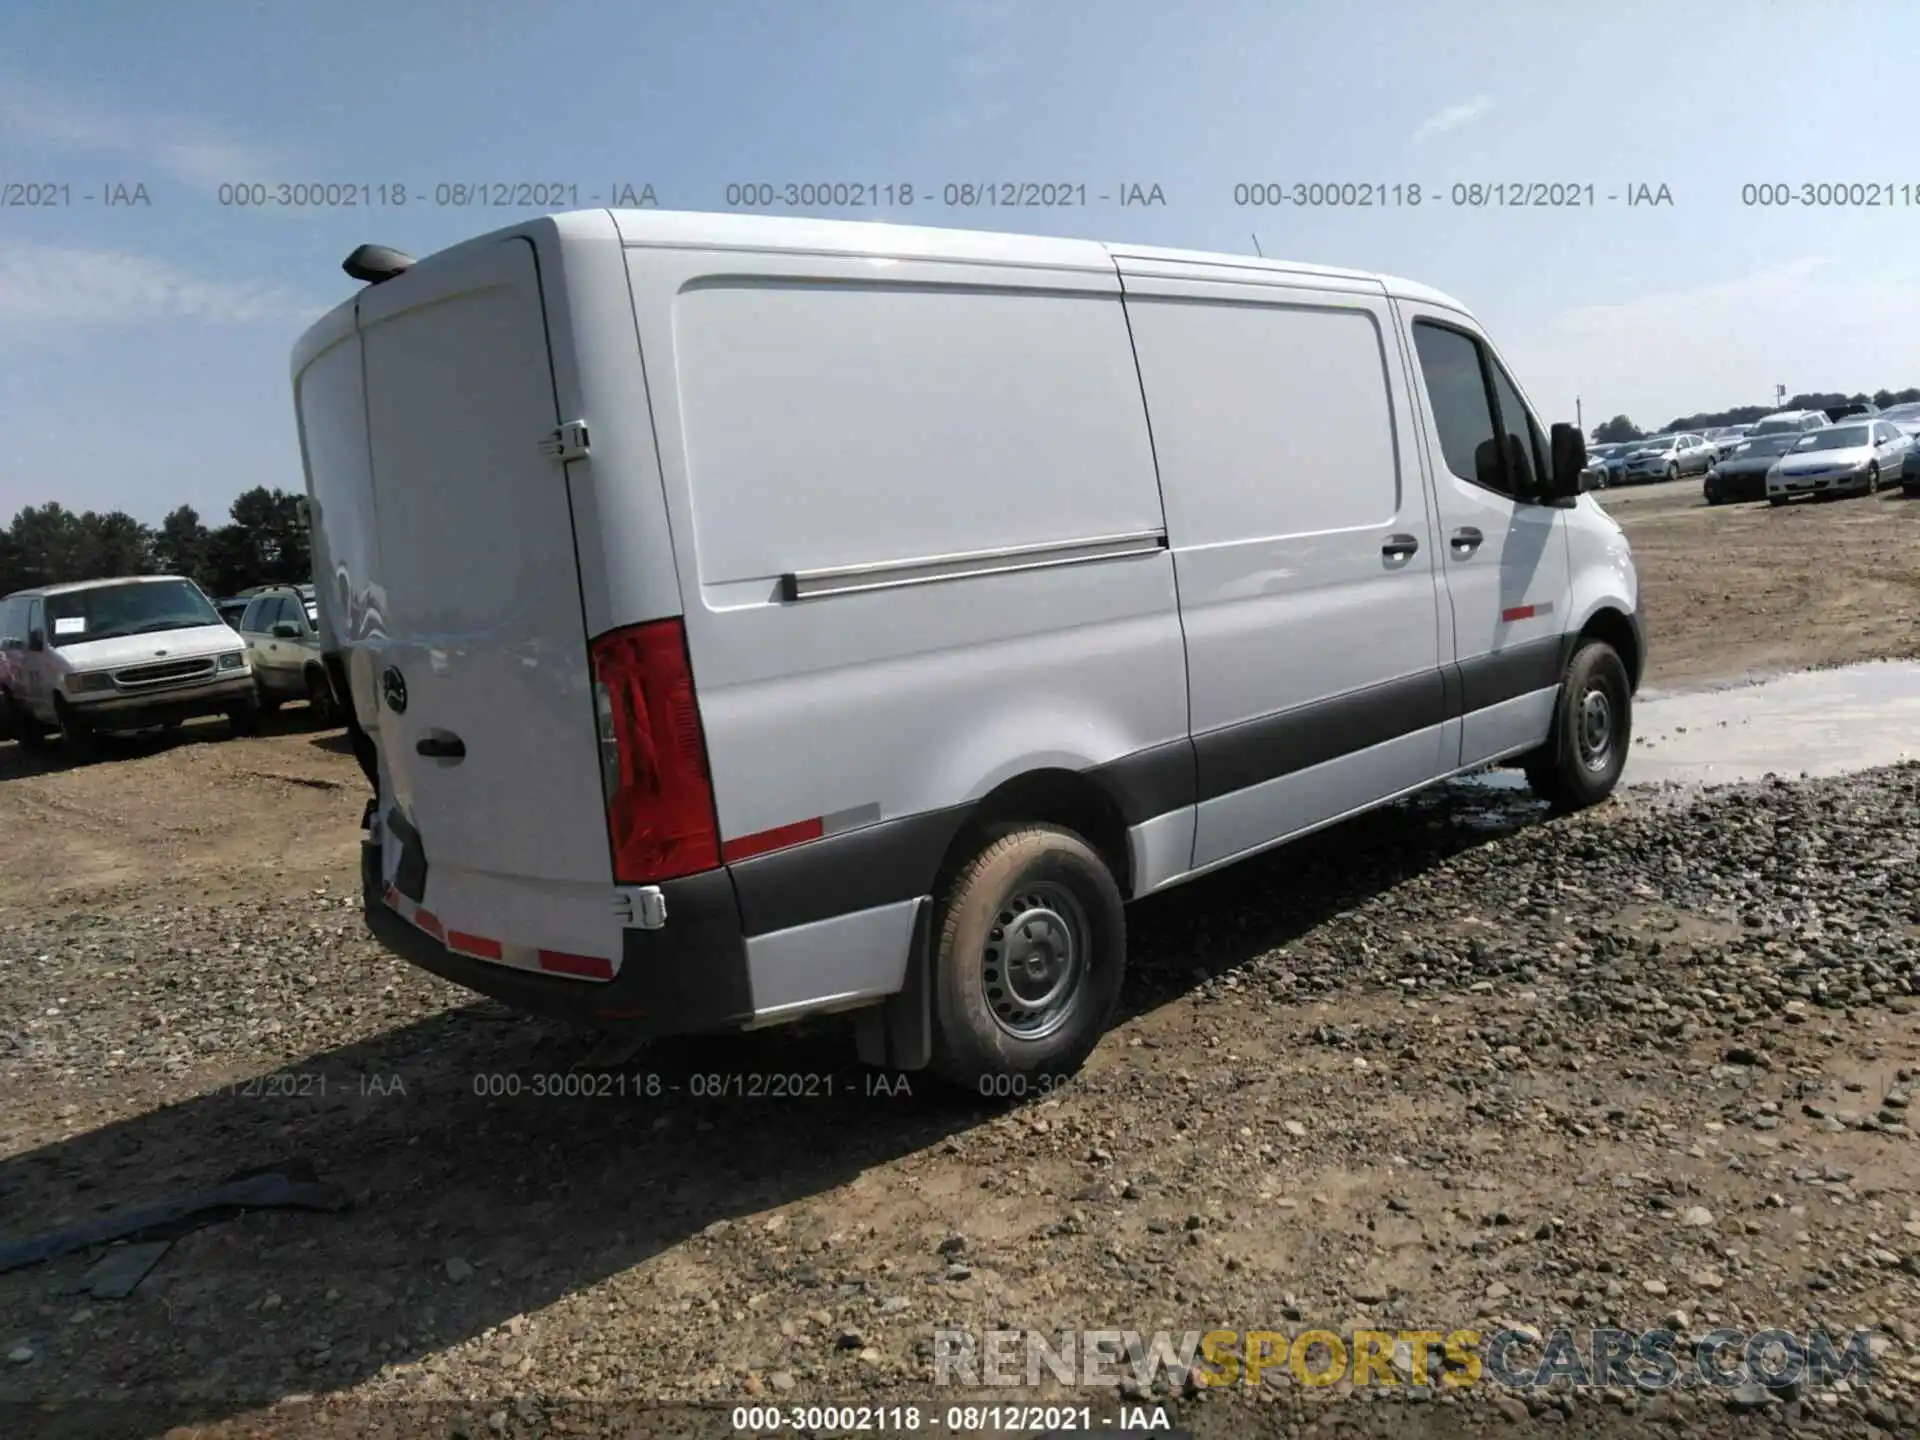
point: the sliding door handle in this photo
(1398, 547)
(1466, 540)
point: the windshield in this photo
(1777, 427)
(1840, 437)
(1901, 414)
(138, 607)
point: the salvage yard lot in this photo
(1448, 1065)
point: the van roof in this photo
(709, 230)
(699, 228)
(71, 585)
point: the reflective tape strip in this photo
(485, 947)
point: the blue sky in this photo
(143, 349)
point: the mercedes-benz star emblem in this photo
(394, 686)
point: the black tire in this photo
(1714, 497)
(1592, 729)
(77, 738)
(1055, 878)
(243, 720)
(264, 702)
(320, 702)
(23, 727)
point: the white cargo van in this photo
(750, 617)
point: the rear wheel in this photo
(1029, 949)
(1592, 726)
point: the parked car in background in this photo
(1668, 457)
(1837, 413)
(1724, 438)
(1795, 422)
(282, 632)
(103, 656)
(1597, 475)
(1853, 459)
(232, 609)
(1906, 419)
(1742, 475)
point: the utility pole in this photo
(1779, 396)
(1579, 422)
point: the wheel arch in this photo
(1618, 629)
(1049, 795)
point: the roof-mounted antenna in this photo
(1256, 248)
(375, 263)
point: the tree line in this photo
(1620, 429)
(263, 542)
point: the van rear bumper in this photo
(689, 977)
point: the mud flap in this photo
(898, 1033)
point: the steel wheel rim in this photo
(1595, 727)
(1034, 963)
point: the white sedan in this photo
(1845, 459)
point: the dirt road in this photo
(1450, 1066)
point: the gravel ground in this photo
(1450, 1065)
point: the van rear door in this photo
(479, 665)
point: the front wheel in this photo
(1673, 471)
(320, 702)
(77, 737)
(1776, 499)
(1586, 747)
(1029, 948)
(1873, 479)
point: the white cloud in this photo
(49, 290)
(1453, 117)
(182, 148)
(1808, 323)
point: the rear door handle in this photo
(1398, 547)
(441, 746)
(1467, 539)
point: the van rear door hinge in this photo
(641, 909)
(566, 442)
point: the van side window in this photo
(36, 622)
(13, 628)
(1462, 405)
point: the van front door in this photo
(1503, 548)
(1301, 542)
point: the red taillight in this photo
(660, 815)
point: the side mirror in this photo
(285, 630)
(1569, 448)
(37, 640)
